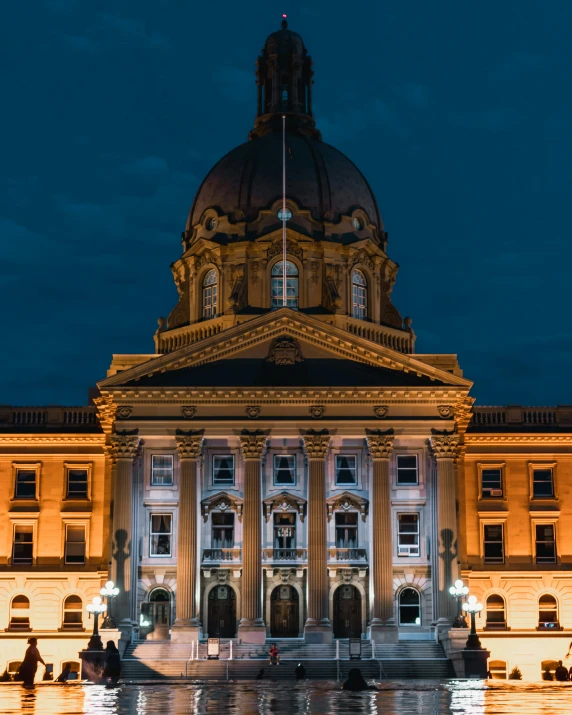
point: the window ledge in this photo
(24, 505)
(542, 629)
(81, 629)
(76, 505)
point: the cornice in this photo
(52, 440)
(519, 439)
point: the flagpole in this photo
(284, 293)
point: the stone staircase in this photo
(159, 660)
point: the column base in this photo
(380, 633)
(186, 631)
(318, 633)
(252, 631)
(476, 662)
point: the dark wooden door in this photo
(284, 616)
(222, 613)
(347, 612)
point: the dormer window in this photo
(277, 285)
(209, 294)
(359, 295)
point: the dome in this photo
(319, 178)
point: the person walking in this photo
(356, 681)
(112, 668)
(27, 671)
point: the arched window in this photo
(496, 617)
(409, 607)
(278, 283)
(359, 295)
(73, 616)
(547, 611)
(74, 669)
(20, 613)
(497, 669)
(210, 294)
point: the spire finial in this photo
(284, 21)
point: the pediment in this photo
(284, 501)
(347, 501)
(223, 501)
(329, 357)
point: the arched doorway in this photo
(284, 612)
(156, 615)
(222, 612)
(347, 612)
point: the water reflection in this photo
(305, 698)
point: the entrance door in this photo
(347, 612)
(284, 612)
(157, 613)
(222, 612)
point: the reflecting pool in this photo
(418, 697)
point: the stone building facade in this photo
(285, 465)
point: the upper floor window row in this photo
(76, 483)
(492, 486)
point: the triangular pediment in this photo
(243, 356)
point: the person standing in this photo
(561, 673)
(27, 671)
(112, 663)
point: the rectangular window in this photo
(223, 469)
(408, 535)
(25, 484)
(407, 472)
(284, 531)
(491, 480)
(75, 544)
(545, 544)
(160, 536)
(222, 530)
(162, 470)
(284, 469)
(346, 530)
(346, 469)
(23, 551)
(542, 483)
(76, 484)
(493, 546)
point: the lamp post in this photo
(472, 606)
(96, 607)
(459, 591)
(109, 592)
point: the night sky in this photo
(458, 114)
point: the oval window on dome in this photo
(284, 215)
(358, 225)
(211, 223)
(277, 285)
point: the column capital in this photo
(123, 445)
(189, 444)
(316, 444)
(253, 444)
(444, 445)
(380, 444)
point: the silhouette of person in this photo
(27, 671)
(5, 677)
(356, 681)
(561, 673)
(547, 675)
(274, 654)
(300, 672)
(112, 663)
(260, 674)
(64, 675)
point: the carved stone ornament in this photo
(346, 501)
(380, 445)
(316, 444)
(253, 444)
(252, 412)
(189, 446)
(222, 576)
(284, 502)
(123, 446)
(188, 411)
(317, 411)
(222, 501)
(284, 351)
(124, 412)
(445, 446)
(381, 411)
(285, 575)
(446, 412)
(277, 248)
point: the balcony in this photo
(215, 556)
(285, 555)
(353, 556)
(516, 417)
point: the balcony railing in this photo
(283, 555)
(48, 418)
(218, 555)
(348, 555)
(515, 415)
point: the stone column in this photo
(445, 448)
(382, 628)
(251, 628)
(318, 628)
(187, 627)
(122, 451)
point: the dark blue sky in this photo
(459, 115)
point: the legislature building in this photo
(285, 465)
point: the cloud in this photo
(494, 119)
(517, 64)
(416, 95)
(351, 121)
(18, 243)
(235, 84)
(148, 166)
(130, 30)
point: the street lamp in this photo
(472, 606)
(109, 591)
(96, 607)
(459, 591)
